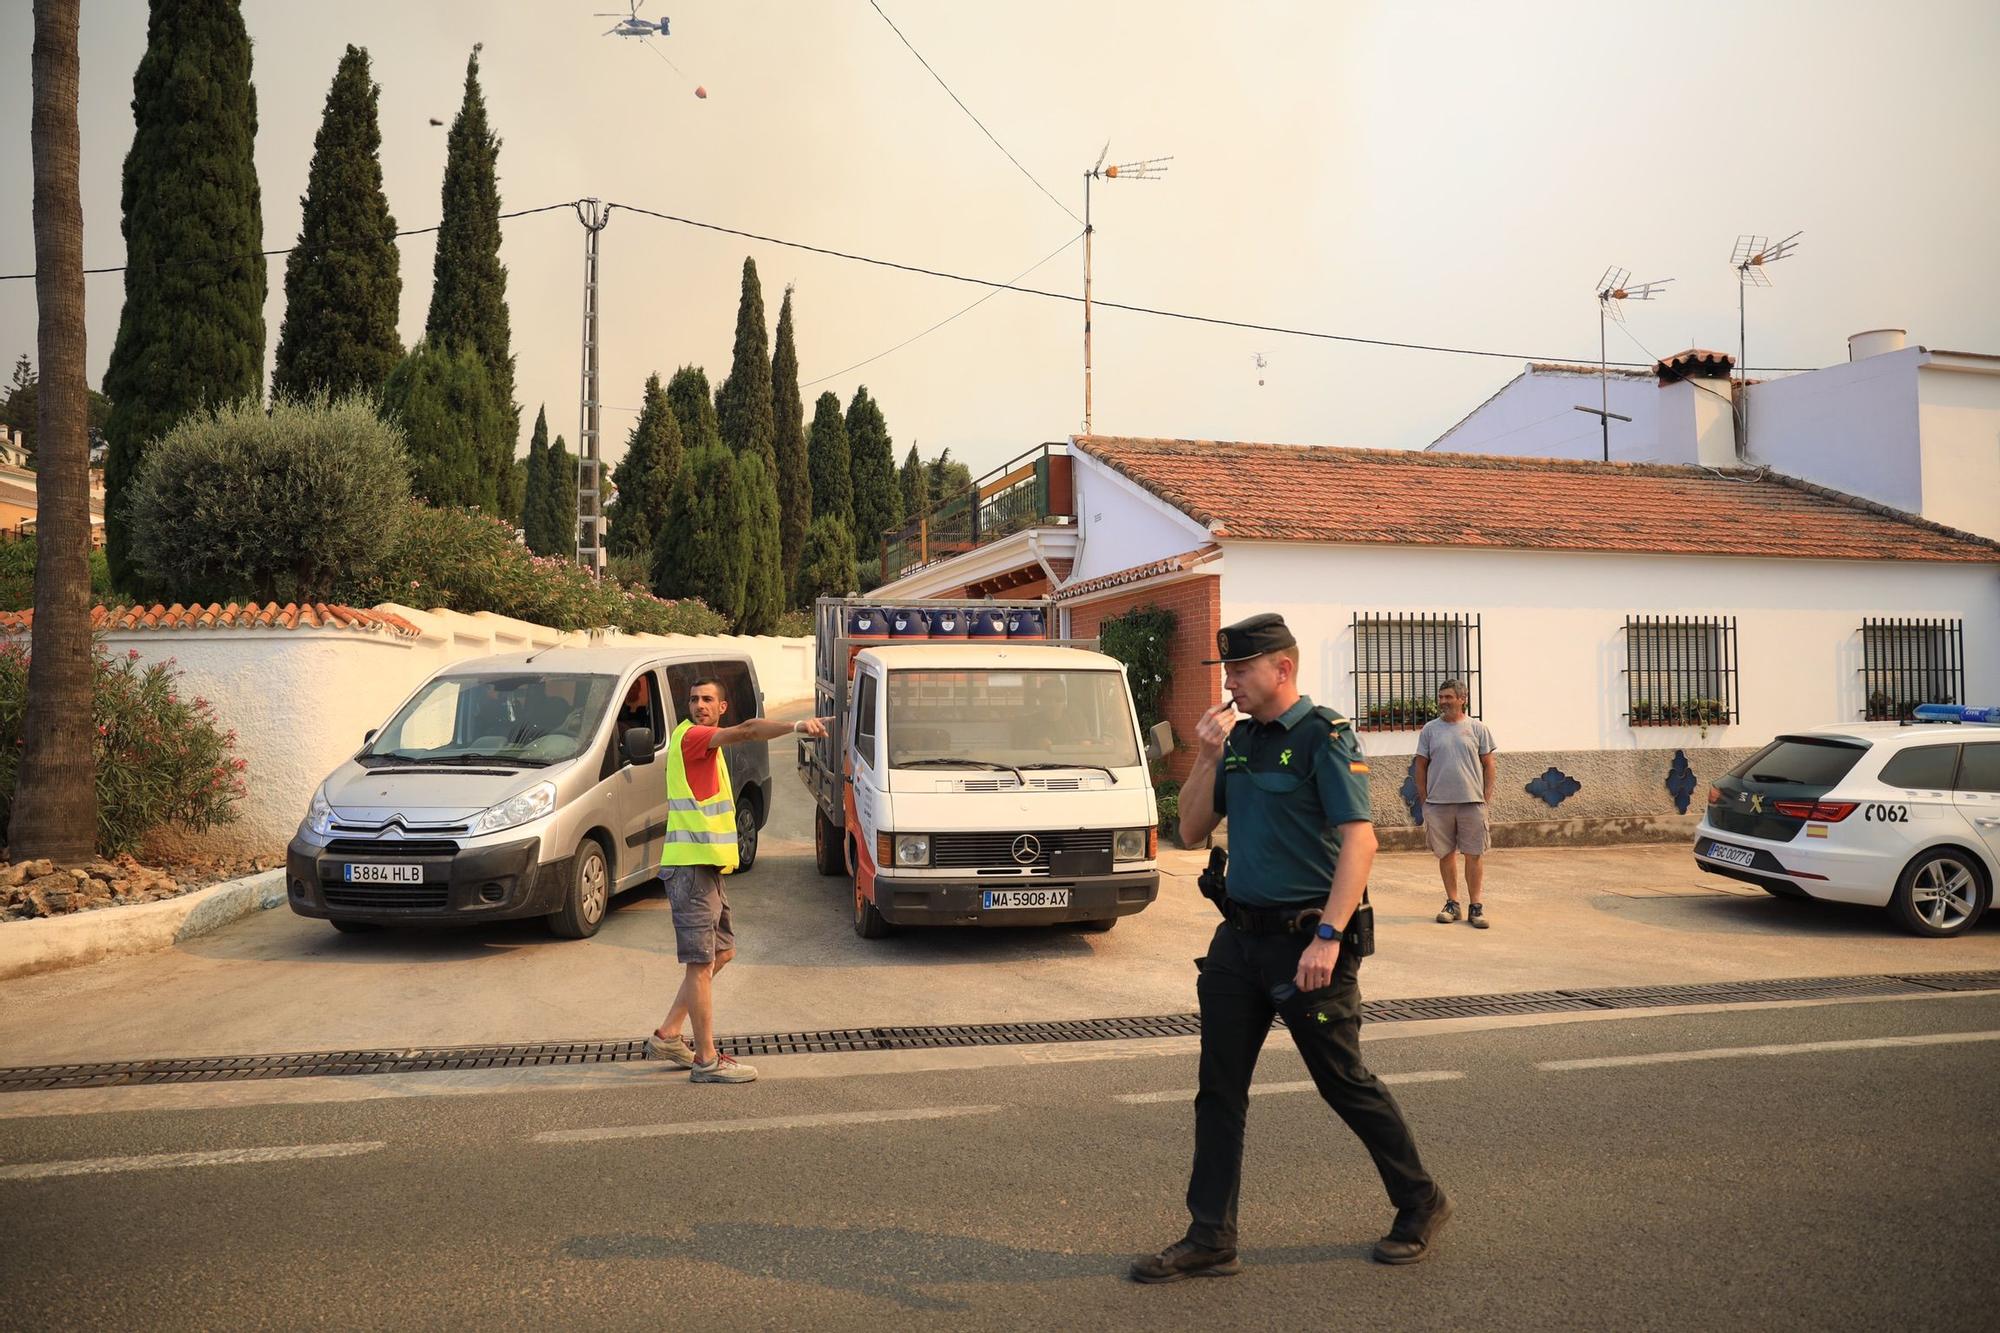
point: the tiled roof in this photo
(1563, 368)
(1173, 564)
(1284, 492)
(270, 615)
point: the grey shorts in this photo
(701, 913)
(1456, 826)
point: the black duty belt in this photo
(1272, 920)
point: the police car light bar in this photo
(1956, 713)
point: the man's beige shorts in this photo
(1458, 826)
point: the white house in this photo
(1629, 631)
(1909, 426)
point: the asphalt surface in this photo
(1848, 1186)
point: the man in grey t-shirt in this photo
(1454, 785)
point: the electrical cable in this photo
(975, 120)
(949, 318)
(268, 254)
(1133, 309)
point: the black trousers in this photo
(1241, 982)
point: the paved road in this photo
(1848, 1185)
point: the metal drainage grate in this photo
(436, 1059)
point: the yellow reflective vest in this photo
(699, 833)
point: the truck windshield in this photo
(1044, 718)
(532, 719)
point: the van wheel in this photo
(746, 834)
(354, 927)
(829, 850)
(589, 895)
(869, 924)
(1942, 892)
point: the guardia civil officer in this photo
(1294, 785)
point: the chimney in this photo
(1698, 406)
(1874, 342)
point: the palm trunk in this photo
(55, 796)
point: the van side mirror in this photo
(1159, 741)
(369, 739)
(638, 747)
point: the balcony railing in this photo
(1031, 491)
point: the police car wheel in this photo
(589, 896)
(1941, 893)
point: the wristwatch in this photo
(1328, 931)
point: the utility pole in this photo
(1151, 169)
(589, 468)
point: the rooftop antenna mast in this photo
(1151, 168)
(1613, 290)
(1750, 258)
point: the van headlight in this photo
(913, 849)
(1131, 844)
(533, 803)
(319, 815)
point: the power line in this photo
(268, 254)
(949, 318)
(975, 120)
(1119, 305)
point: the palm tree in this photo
(55, 795)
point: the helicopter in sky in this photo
(631, 25)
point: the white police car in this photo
(1880, 813)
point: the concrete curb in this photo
(48, 943)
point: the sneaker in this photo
(1182, 1259)
(1478, 916)
(1449, 914)
(675, 1050)
(723, 1069)
(1413, 1237)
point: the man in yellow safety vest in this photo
(700, 850)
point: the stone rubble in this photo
(30, 889)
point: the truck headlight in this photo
(1132, 844)
(913, 849)
(319, 815)
(533, 803)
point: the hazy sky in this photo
(1441, 173)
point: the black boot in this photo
(1414, 1235)
(1182, 1259)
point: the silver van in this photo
(523, 785)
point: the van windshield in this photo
(1016, 718)
(527, 719)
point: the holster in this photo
(1214, 881)
(1359, 937)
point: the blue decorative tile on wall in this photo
(1409, 794)
(1680, 781)
(1554, 787)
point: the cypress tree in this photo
(534, 507)
(766, 591)
(826, 568)
(559, 501)
(446, 405)
(703, 549)
(645, 477)
(192, 329)
(830, 465)
(946, 476)
(789, 437)
(878, 500)
(743, 403)
(687, 395)
(915, 483)
(343, 286)
(469, 283)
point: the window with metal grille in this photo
(1400, 659)
(1909, 662)
(1680, 671)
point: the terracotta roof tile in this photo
(1281, 492)
(235, 616)
(1173, 564)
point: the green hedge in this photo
(17, 575)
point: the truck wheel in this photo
(829, 851)
(1940, 893)
(354, 927)
(1099, 926)
(746, 834)
(589, 895)
(869, 924)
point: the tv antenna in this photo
(1151, 168)
(1753, 254)
(1613, 290)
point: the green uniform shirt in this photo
(1286, 786)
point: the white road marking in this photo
(1799, 1048)
(766, 1122)
(1267, 1089)
(103, 1166)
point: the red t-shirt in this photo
(698, 755)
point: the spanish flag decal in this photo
(1356, 766)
